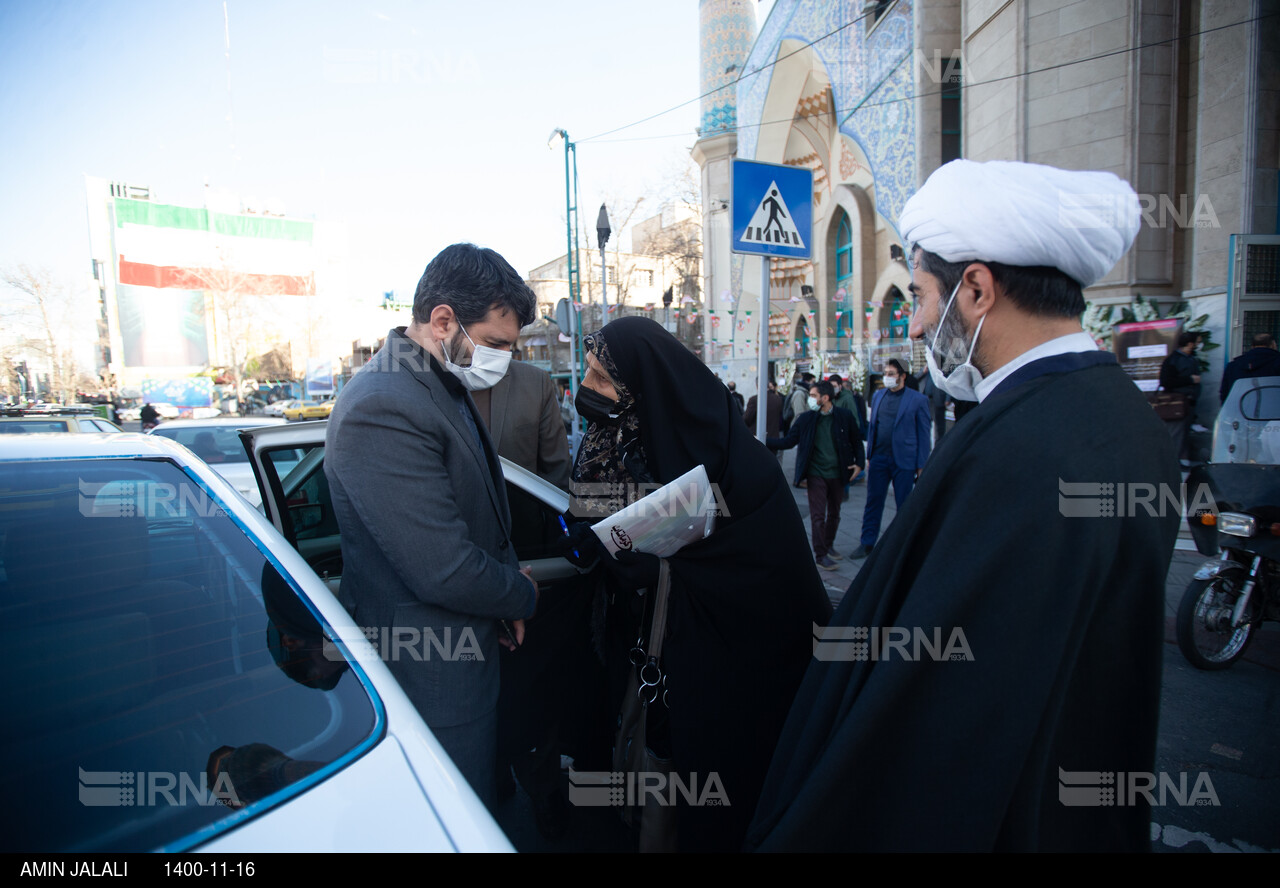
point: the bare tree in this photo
(43, 309)
(237, 309)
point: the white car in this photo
(217, 442)
(179, 679)
(277, 408)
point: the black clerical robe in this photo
(978, 741)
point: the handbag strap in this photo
(661, 593)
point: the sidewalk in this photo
(847, 537)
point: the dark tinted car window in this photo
(162, 674)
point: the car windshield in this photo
(218, 444)
(157, 659)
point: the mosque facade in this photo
(1181, 98)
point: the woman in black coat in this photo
(743, 601)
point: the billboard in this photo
(319, 380)
(176, 267)
(1142, 347)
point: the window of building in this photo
(951, 129)
(644, 277)
(874, 11)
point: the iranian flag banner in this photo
(171, 261)
(172, 247)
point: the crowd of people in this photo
(1056, 623)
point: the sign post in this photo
(772, 216)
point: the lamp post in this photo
(603, 231)
(573, 270)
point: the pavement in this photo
(847, 535)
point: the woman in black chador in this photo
(743, 601)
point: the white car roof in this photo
(90, 446)
(235, 422)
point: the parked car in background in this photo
(309, 410)
(217, 442)
(51, 418)
(177, 677)
(277, 408)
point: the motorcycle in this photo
(1231, 595)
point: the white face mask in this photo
(962, 382)
(488, 365)
(813, 403)
(891, 382)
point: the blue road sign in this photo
(772, 209)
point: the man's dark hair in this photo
(472, 280)
(1187, 337)
(1263, 340)
(1036, 289)
(834, 379)
(824, 388)
(897, 365)
(807, 378)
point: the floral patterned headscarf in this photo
(609, 455)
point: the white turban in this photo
(1024, 214)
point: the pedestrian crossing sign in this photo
(772, 209)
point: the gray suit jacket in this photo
(525, 423)
(426, 532)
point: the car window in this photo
(157, 658)
(32, 426)
(1261, 404)
(535, 526)
(214, 445)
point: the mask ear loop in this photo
(941, 320)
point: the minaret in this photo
(727, 31)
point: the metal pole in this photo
(762, 362)
(604, 289)
(568, 258)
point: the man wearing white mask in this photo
(1045, 607)
(419, 497)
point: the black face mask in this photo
(595, 407)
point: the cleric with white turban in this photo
(1042, 586)
(1024, 214)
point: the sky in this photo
(408, 125)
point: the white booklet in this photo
(665, 521)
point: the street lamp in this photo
(571, 260)
(603, 230)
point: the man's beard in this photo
(456, 355)
(951, 343)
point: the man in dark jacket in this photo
(1261, 360)
(1180, 373)
(773, 411)
(830, 453)
(899, 441)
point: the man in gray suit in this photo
(419, 497)
(523, 418)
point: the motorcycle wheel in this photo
(1204, 631)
